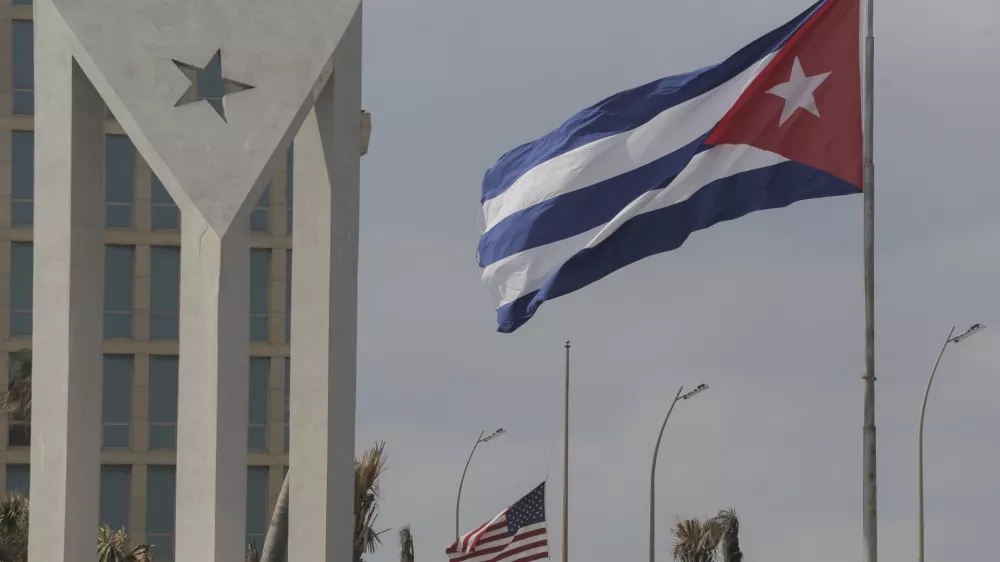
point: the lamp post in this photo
(652, 473)
(481, 439)
(920, 441)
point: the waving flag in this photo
(516, 534)
(636, 174)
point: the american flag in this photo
(517, 534)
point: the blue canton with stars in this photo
(529, 510)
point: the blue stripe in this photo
(579, 211)
(630, 109)
(666, 229)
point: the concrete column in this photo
(324, 313)
(213, 390)
(68, 297)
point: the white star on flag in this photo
(798, 91)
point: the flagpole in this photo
(565, 506)
(869, 489)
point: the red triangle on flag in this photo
(806, 104)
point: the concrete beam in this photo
(213, 387)
(324, 314)
(68, 297)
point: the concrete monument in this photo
(292, 70)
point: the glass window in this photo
(23, 67)
(288, 401)
(22, 177)
(18, 427)
(257, 516)
(162, 401)
(289, 182)
(116, 408)
(160, 498)
(288, 295)
(165, 215)
(21, 274)
(257, 427)
(164, 292)
(260, 273)
(116, 492)
(260, 216)
(22, 2)
(18, 479)
(211, 88)
(119, 180)
(119, 268)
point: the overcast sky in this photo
(767, 310)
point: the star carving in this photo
(211, 85)
(798, 92)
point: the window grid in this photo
(164, 214)
(116, 406)
(22, 178)
(260, 217)
(119, 181)
(21, 275)
(164, 292)
(119, 284)
(257, 408)
(260, 282)
(23, 71)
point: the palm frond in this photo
(729, 536)
(110, 544)
(695, 540)
(368, 472)
(16, 401)
(14, 528)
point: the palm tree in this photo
(111, 547)
(14, 528)
(368, 472)
(405, 544)
(16, 401)
(714, 539)
(729, 539)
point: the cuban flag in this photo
(636, 174)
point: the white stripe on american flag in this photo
(529, 543)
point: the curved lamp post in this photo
(652, 473)
(952, 338)
(481, 439)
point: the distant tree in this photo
(714, 539)
(405, 544)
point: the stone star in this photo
(211, 85)
(798, 91)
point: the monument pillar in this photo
(324, 314)
(214, 153)
(213, 386)
(68, 301)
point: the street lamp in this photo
(652, 473)
(952, 338)
(481, 439)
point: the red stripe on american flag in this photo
(500, 548)
(470, 539)
(512, 553)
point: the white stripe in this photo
(617, 154)
(524, 272)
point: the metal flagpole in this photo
(565, 506)
(869, 488)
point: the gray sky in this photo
(767, 309)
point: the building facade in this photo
(142, 258)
